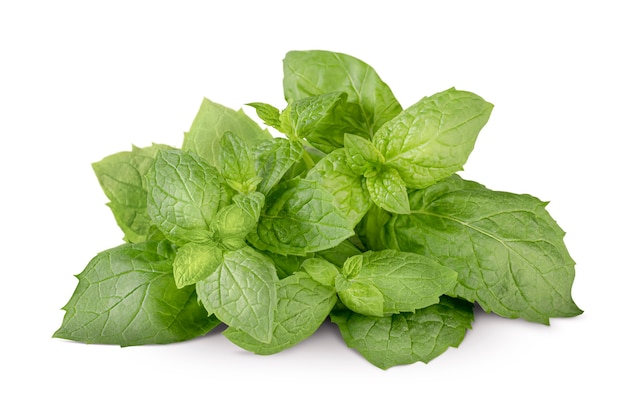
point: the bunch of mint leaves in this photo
(355, 212)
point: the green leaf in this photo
(273, 160)
(127, 296)
(321, 271)
(338, 255)
(508, 251)
(388, 191)
(311, 73)
(406, 281)
(406, 338)
(350, 195)
(433, 139)
(286, 265)
(269, 114)
(236, 164)
(234, 222)
(121, 178)
(184, 195)
(242, 292)
(210, 124)
(360, 297)
(303, 305)
(361, 155)
(195, 262)
(299, 218)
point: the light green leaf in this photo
(321, 271)
(127, 296)
(121, 178)
(406, 338)
(338, 255)
(508, 251)
(299, 218)
(184, 194)
(210, 124)
(361, 155)
(303, 305)
(273, 160)
(236, 164)
(360, 297)
(311, 73)
(407, 281)
(242, 292)
(195, 262)
(234, 222)
(269, 114)
(433, 139)
(348, 189)
(388, 191)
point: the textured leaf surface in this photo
(273, 160)
(184, 194)
(388, 191)
(507, 249)
(406, 338)
(303, 304)
(121, 178)
(242, 292)
(300, 218)
(406, 281)
(210, 124)
(195, 262)
(311, 73)
(127, 296)
(433, 139)
(350, 195)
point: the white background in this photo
(82, 80)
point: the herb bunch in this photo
(354, 212)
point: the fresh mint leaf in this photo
(398, 281)
(388, 191)
(303, 305)
(127, 296)
(433, 139)
(406, 338)
(269, 114)
(210, 124)
(299, 218)
(361, 156)
(241, 292)
(233, 222)
(195, 262)
(311, 73)
(237, 164)
(321, 271)
(348, 190)
(121, 178)
(184, 195)
(273, 158)
(508, 251)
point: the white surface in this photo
(79, 81)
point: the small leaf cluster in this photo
(351, 209)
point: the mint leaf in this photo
(237, 164)
(406, 338)
(311, 73)
(269, 114)
(347, 188)
(433, 139)
(508, 251)
(127, 296)
(195, 262)
(242, 292)
(388, 191)
(361, 155)
(121, 178)
(184, 194)
(210, 124)
(397, 281)
(321, 271)
(299, 218)
(273, 159)
(303, 305)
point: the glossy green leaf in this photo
(388, 191)
(433, 139)
(210, 124)
(121, 177)
(184, 195)
(303, 305)
(127, 296)
(242, 292)
(508, 251)
(406, 338)
(195, 262)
